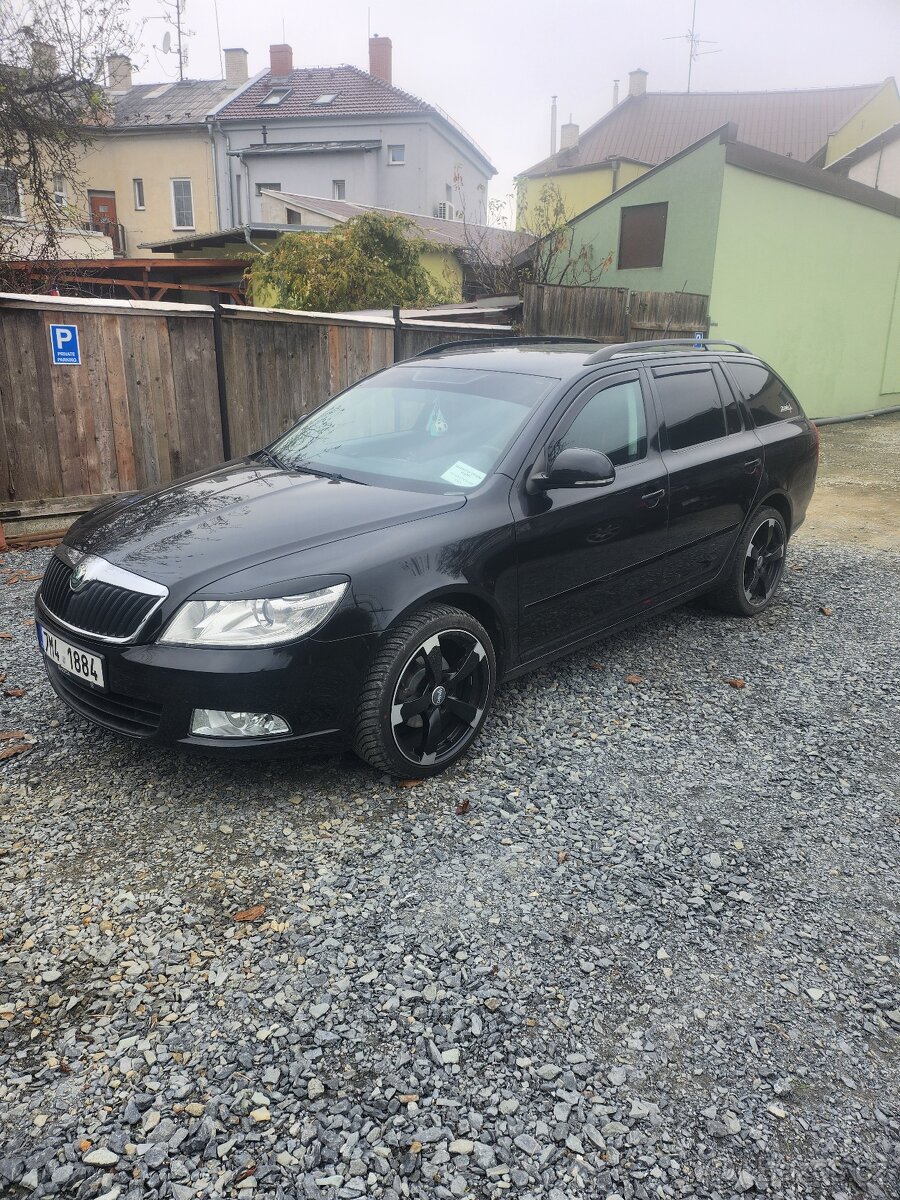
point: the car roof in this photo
(564, 358)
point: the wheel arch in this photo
(477, 605)
(782, 504)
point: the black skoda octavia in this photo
(447, 523)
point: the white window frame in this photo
(138, 183)
(60, 194)
(20, 215)
(343, 189)
(396, 162)
(172, 182)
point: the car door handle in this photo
(651, 499)
(752, 465)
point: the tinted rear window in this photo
(691, 406)
(767, 397)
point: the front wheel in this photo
(427, 694)
(756, 567)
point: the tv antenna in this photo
(694, 43)
(173, 16)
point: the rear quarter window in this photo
(768, 399)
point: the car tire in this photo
(427, 694)
(756, 566)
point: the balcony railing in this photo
(114, 230)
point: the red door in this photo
(103, 217)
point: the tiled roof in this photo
(651, 128)
(455, 234)
(186, 103)
(356, 93)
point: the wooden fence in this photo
(165, 389)
(613, 314)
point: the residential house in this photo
(875, 163)
(151, 172)
(799, 263)
(647, 128)
(345, 134)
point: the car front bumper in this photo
(151, 690)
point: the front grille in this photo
(124, 714)
(98, 607)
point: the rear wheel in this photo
(427, 695)
(756, 567)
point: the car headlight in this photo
(262, 622)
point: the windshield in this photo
(434, 427)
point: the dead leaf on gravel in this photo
(2, 677)
(825, 610)
(15, 748)
(250, 914)
(245, 1174)
(736, 682)
(7, 637)
(15, 734)
(410, 782)
(561, 857)
(14, 692)
(415, 1147)
(596, 666)
(463, 807)
(633, 679)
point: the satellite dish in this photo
(167, 43)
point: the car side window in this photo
(767, 397)
(613, 422)
(691, 404)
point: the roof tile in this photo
(356, 92)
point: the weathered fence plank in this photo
(612, 314)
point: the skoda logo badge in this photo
(439, 695)
(78, 578)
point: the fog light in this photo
(213, 722)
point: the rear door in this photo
(588, 557)
(714, 465)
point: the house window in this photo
(182, 204)
(10, 203)
(275, 96)
(293, 217)
(642, 236)
(396, 156)
(272, 187)
(327, 98)
(338, 189)
(59, 190)
(138, 185)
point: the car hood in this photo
(245, 513)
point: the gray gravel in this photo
(656, 957)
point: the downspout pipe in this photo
(249, 242)
(210, 128)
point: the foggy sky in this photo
(494, 66)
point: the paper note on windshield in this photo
(462, 475)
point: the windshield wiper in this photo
(272, 459)
(334, 476)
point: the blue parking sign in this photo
(64, 344)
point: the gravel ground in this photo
(644, 943)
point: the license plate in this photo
(80, 663)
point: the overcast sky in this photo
(494, 65)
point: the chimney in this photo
(568, 135)
(44, 58)
(615, 92)
(281, 60)
(637, 82)
(118, 72)
(552, 124)
(380, 56)
(235, 66)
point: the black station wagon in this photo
(440, 526)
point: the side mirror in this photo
(574, 468)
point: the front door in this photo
(587, 558)
(715, 468)
(103, 217)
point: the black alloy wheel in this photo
(427, 695)
(764, 562)
(440, 697)
(756, 566)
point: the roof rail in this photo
(609, 352)
(503, 341)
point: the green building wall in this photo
(692, 185)
(808, 281)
